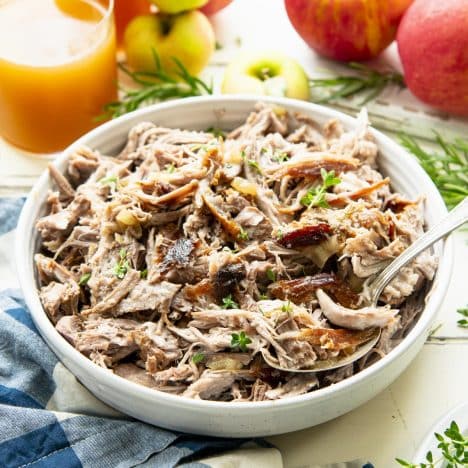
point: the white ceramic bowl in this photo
(217, 418)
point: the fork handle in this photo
(457, 217)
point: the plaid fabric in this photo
(48, 419)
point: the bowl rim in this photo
(67, 353)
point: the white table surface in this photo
(394, 422)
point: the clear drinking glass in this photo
(57, 70)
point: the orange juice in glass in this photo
(57, 70)
(125, 11)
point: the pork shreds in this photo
(182, 261)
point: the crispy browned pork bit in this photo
(182, 261)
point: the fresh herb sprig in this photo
(112, 181)
(240, 341)
(229, 303)
(366, 81)
(463, 323)
(447, 166)
(198, 357)
(453, 448)
(170, 168)
(84, 279)
(316, 196)
(243, 235)
(254, 165)
(271, 275)
(122, 266)
(217, 132)
(156, 85)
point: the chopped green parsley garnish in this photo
(84, 279)
(111, 181)
(280, 156)
(170, 168)
(271, 275)
(229, 303)
(255, 165)
(198, 357)
(217, 132)
(316, 196)
(121, 268)
(243, 235)
(240, 341)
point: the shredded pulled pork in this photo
(185, 259)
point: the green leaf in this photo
(170, 168)
(111, 181)
(240, 340)
(280, 156)
(229, 303)
(255, 165)
(84, 279)
(271, 275)
(287, 307)
(217, 132)
(198, 357)
(122, 266)
(464, 313)
(463, 323)
(404, 462)
(316, 196)
(144, 273)
(243, 235)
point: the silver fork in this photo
(457, 217)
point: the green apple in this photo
(188, 36)
(176, 6)
(270, 73)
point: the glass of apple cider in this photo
(57, 70)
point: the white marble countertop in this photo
(395, 422)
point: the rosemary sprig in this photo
(447, 166)
(156, 85)
(368, 82)
(453, 446)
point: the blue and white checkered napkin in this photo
(48, 419)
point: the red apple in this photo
(213, 6)
(433, 46)
(346, 29)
